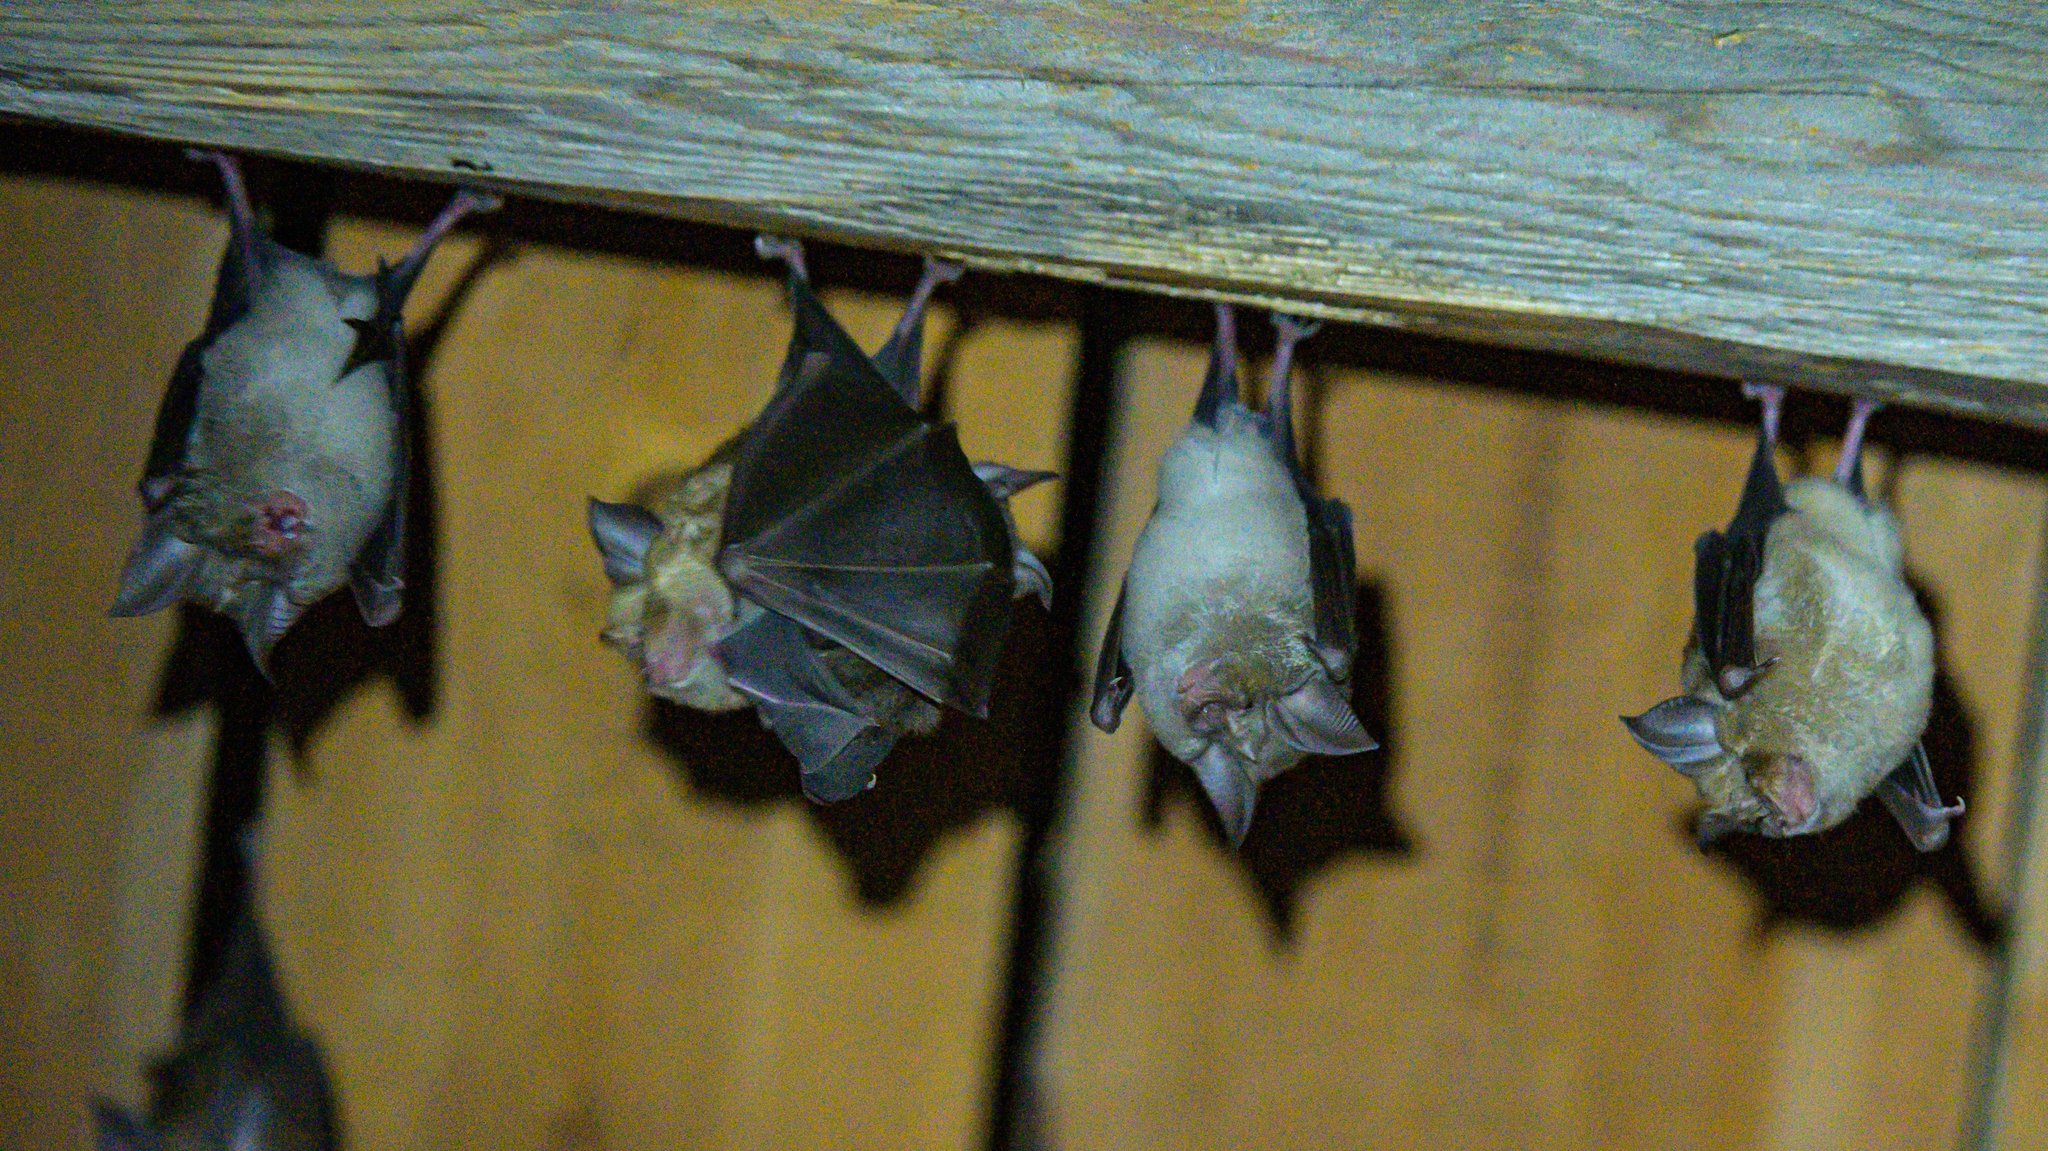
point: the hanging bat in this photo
(242, 1077)
(839, 565)
(1234, 626)
(1810, 670)
(278, 471)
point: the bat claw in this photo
(782, 248)
(938, 271)
(1294, 329)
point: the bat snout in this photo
(281, 525)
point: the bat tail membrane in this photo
(158, 571)
(623, 533)
(771, 662)
(901, 360)
(1849, 469)
(1219, 386)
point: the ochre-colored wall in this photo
(519, 923)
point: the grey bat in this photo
(839, 565)
(242, 1076)
(278, 470)
(1810, 669)
(1234, 628)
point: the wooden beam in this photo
(1846, 195)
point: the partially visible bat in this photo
(242, 1077)
(278, 471)
(1234, 627)
(838, 565)
(1810, 670)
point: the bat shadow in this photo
(1857, 874)
(966, 771)
(328, 655)
(1314, 816)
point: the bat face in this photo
(279, 464)
(1220, 633)
(672, 606)
(1828, 700)
(289, 465)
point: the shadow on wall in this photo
(330, 653)
(926, 788)
(1857, 874)
(1317, 814)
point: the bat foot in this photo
(782, 248)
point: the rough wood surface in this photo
(1848, 195)
(1553, 964)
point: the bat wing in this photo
(1727, 565)
(771, 661)
(1333, 567)
(865, 523)
(1910, 794)
(377, 577)
(1113, 682)
(173, 436)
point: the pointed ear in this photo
(1679, 731)
(1004, 481)
(115, 1129)
(623, 534)
(264, 614)
(1232, 790)
(157, 570)
(1317, 718)
(1712, 826)
(1031, 578)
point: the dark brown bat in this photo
(278, 470)
(1810, 669)
(1234, 627)
(839, 565)
(242, 1076)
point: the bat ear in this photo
(1679, 731)
(1317, 718)
(1232, 790)
(1005, 481)
(1712, 826)
(264, 617)
(115, 1129)
(1032, 578)
(623, 533)
(157, 570)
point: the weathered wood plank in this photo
(1848, 195)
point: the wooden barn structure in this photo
(524, 909)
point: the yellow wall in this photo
(520, 923)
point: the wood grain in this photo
(1554, 965)
(1849, 196)
(515, 922)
